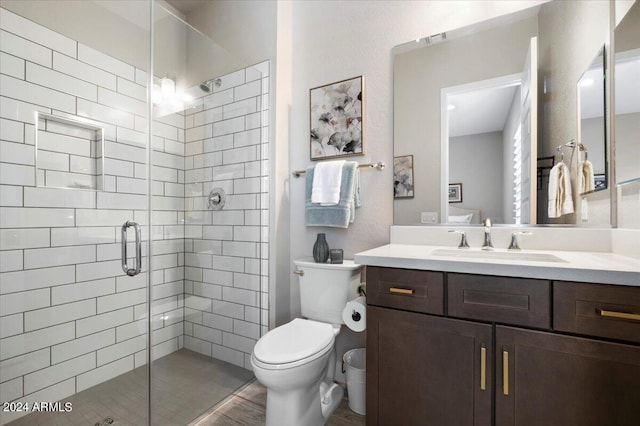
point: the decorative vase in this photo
(321, 249)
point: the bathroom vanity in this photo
(467, 340)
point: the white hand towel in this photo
(560, 196)
(585, 171)
(327, 177)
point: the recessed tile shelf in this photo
(69, 152)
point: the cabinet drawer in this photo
(516, 301)
(597, 310)
(411, 290)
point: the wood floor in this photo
(246, 407)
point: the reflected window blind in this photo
(517, 178)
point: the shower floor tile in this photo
(184, 385)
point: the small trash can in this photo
(355, 362)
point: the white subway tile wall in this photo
(222, 293)
(69, 317)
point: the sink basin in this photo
(498, 255)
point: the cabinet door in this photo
(550, 379)
(426, 370)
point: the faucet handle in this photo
(463, 238)
(514, 239)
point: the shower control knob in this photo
(216, 199)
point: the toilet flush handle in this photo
(298, 272)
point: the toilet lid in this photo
(293, 341)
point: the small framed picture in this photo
(599, 182)
(455, 192)
(403, 176)
(337, 113)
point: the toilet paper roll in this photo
(354, 314)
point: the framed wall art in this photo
(403, 176)
(337, 113)
(455, 192)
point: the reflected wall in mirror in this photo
(483, 139)
(627, 96)
(592, 147)
(568, 34)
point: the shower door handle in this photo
(136, 270)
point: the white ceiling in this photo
(480, 111)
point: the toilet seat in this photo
(298, 342)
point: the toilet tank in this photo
(326, 288)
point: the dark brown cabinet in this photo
(427, 370)
(464, 349)
(551, 379)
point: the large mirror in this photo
(627, 96)
(591, 146)
(464, 112)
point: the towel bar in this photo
(380, 166)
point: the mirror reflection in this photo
(433, 73)
(627, 96)
(591, 148)
(485, 151)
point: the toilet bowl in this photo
(296, 361)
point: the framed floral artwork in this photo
(337, 113)
(403, 176)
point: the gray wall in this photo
(476, 161)
(592, 134)
(627, 146)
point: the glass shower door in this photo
(207, 180)
(74, 150)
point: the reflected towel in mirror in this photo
(560, 198)
(585, 171)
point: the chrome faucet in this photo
(463, 239)
(487, 235)
(514, 239)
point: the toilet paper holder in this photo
(356, 315)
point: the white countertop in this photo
(593, 267)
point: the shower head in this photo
(207, 86)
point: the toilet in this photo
(296, 361)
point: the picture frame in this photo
(403, 177)
(599, 182)
(455, 192)
(337, 119)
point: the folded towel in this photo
(327, 178)
(560, 197)
(341, 214)
(356, 201)
(585, 171)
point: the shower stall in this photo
(133, 215)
